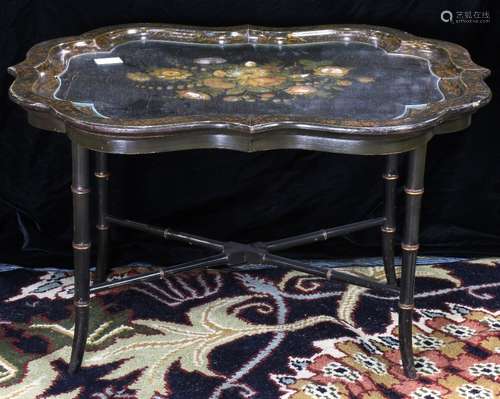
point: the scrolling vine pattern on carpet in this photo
(253, 332)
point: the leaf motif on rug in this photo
(210, 326)
(256, 332)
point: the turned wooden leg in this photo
(81, 252)
(389, 228)
(102, 175)
(414, 190)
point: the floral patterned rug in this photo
(253, 332)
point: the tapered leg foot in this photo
(405, 342)
(414, 190)
(81, 253)
(79, 338)
(389, 228)
(102, 176)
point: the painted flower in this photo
(249, 72)
(138, 76)
(365, 79)
(301, 90)
(209, 60)
(299, 76)
(344, 82)
(270, 81)
(193, 95)
(217, 83)
(266, 96)
(219, 73)
(170, 73)
(332, 71)
(232, 99)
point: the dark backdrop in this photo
(245, 196)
